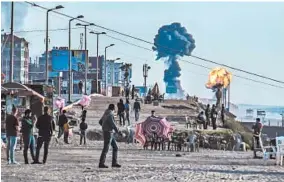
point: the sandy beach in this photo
(74, 163)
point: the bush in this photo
(237, 127)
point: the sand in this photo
(80, 163)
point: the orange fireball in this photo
(219, 76)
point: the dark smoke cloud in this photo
(20, 12)
(171, 42)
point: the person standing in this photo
(136, 108)
(83, 128)
(28, 137)
(202, 120)
(80, 85)
(45, 126)
(12, 128)
(207, 114)
(132, 92)
(120, 112)
(223, 114)
(127, 111)
(108, 125)
(66, 128)
(62, 120)
(214, 115)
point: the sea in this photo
(269, 115)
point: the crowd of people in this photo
(209, 117)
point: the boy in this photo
(83, 128)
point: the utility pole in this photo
(146, 68)
(12, 44)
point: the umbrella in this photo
(85, 100)
(151, 125)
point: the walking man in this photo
(12, 128)
(83, 128)
(108, 125)
(62, 120)
(28, 137)
(120, 112)
(127, 111)
(45, 126)
(136, 108)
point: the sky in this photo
(243, 35)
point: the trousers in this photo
(40, 141)
(109, 140)
(11, 146)
(29, 143)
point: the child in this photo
(83, 128)
(66, 132)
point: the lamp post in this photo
(146, 68)
(87, 60)
(46, 41)
(105, 67)
(97, 71)
(70, 62)
(112, 72)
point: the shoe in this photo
(102, 166)
(116, 165)
(26, 162)
(15, 163)
(36, 162)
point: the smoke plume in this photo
(171, 42)
(20, 12)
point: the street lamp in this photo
(105, 67)
(46, 41)
(70, 62)
(97, 71)
(87, 60)
(112, 73)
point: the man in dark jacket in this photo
(120, 112)
(207, 114)
(80, 85)
(214, 115)
(62, 120)
(45, 126)
(223, 114)
(136, 108)
(12, 128)
(83, 128)
(28, 137)
(108, 125)
(132, 92)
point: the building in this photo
(115, 75)
(21, 58)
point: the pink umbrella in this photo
(151, 125)
(60, 103)
(85, 100)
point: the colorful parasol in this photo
(151, 125)
(85, 100)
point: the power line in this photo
(148, 42)
(42, 30)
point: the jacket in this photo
(45, 125)
(107, 122)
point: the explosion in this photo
(219, 78)
(171, 42)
